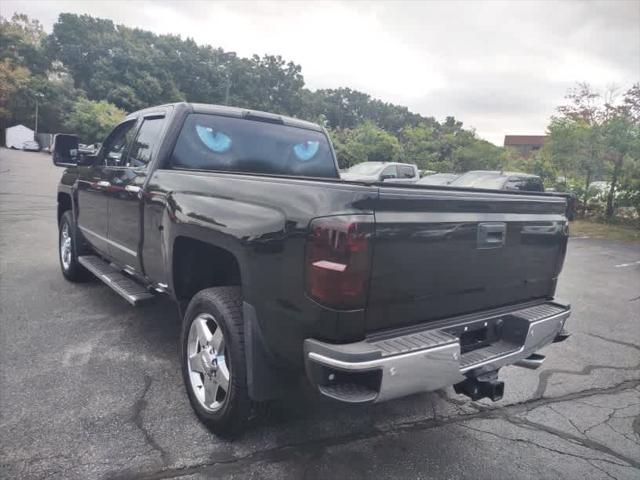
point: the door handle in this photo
(491, 235)
(103, 184)
(132, 189)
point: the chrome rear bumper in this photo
(401, 363)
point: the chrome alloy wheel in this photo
(207, 362)
(65, 247)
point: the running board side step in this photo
(132, 291)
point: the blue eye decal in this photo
(216, 141)
(307, 150)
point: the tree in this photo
(13, 78)
(621, 135)
(476, 154)
(22, 40)
(92, 121)
(87, 63)
(448, 147)
(420, 146)
(596, 133)
(575, 149)
(365, 143)
(26, 72)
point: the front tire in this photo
(213, 360)
(68, 249)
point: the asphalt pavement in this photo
(90, 388)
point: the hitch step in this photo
(132, 291)
(562, 336)
(532, 362)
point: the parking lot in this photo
(91, 388)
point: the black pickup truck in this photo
(280, 269)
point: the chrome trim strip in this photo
(377, 363)
(109, 241)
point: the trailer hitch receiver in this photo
(484, 386)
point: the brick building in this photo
(525, 145)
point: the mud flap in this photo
(265, 381)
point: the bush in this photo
(92, 121)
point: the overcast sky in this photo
(500, 67)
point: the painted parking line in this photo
(579, 238)
(622, 265)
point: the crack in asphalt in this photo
(613, 340)
(575, 439)
(578, 429)
(507, 413)
(543, 379)
(606, 422)
(590, 462)
(136, 417)
(536, 444)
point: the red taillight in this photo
(338, 259)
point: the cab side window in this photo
(146, 142)
(115, 148)
(406, 171)
(389, 172)
(514, 183)
(534, 184)
(527, 184)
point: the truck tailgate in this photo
(440, 253)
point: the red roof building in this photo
(526, 145)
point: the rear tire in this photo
(69, 246)
(213, 360)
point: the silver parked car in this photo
(31, 146)
(499, 181)
(382, 172)
(438, 179)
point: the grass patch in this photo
(621, 233)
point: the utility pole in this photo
(37, 95)
(226, 95)
(36, 115)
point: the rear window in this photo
(488, 180)
(366, 168)
(526, 184)
(212, 142)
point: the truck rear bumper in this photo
(403, 362)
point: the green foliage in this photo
(595, 138)
(92, 121)
(542, 163)
(448, 147)
(88, 71)
(13, 79)
(364, 143)
(21, 58)
(92, 58)
(21, 41)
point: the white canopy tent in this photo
(16, 136)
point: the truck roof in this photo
(503, 173)
(239, 112)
